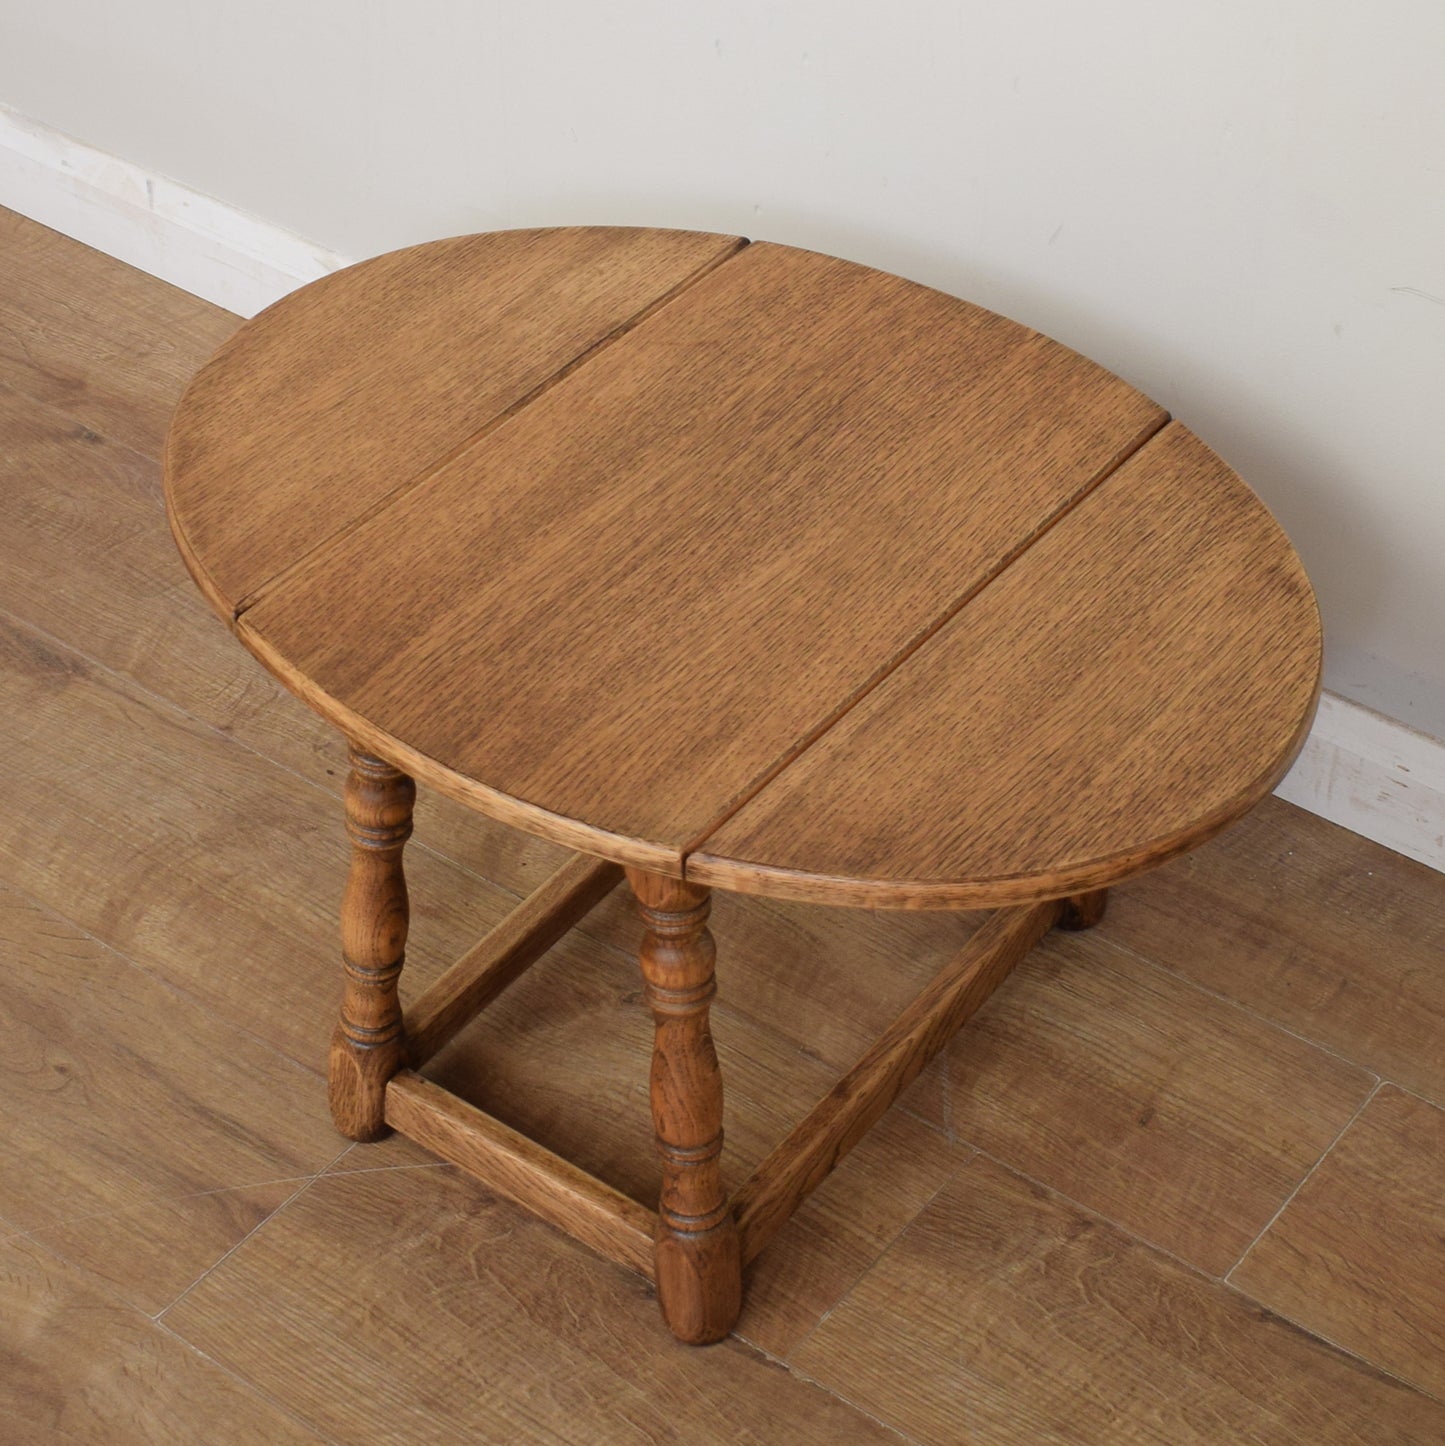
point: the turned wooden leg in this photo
(368, 1046)
(1083, 911)
(699, 1266)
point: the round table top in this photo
(747, 564)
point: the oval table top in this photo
(746, 564)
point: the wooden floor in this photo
(1182, 1180)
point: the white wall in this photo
(1238, 206)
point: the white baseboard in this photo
(1375, 777)
(1359, 769)
(193, 241)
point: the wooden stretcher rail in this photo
(528, 1175)
(506, 953)
(766, 1200)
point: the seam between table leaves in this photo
(824, 726)
(329, 543)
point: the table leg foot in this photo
(699, 1281)
(368, 1046)
(699, 1262)
(1083, 911)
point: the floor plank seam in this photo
(817, 1385)
(1334, 1345)
(106, 1289)
(1094, 1214)
(1223, 1280)
(260, 1225)
(932, 1125)
(331, 1173)
(1304, 1180)
(1246, 1009)
(249, 1387)
(946, 1084)
(886, 1251)
(1424, 1099)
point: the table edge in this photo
(516, 812)
(748, 877)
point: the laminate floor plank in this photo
(1324, 932)
(388, 1313)
(113, 345)
(1358, 1255)
(1183, 1118)
(77, 1365)
(144, 1136)
(86, 557)
(1005, 1314)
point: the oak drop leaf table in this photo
(727, 566)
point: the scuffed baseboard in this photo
(1358, 769)
(1375, 777)
(193, 241)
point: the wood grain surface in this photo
(699, 1263)
(112, 346)
(354, 386)
(509, 1164)
(616, 616)
(800, 1163)
(1136, 681)
(1329, 935)
(1006, 1314)
(368, 1045)
(1358, 1255)
(143, 1137)
(81, 1366)
(534, 1338)
(1180, 1116)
